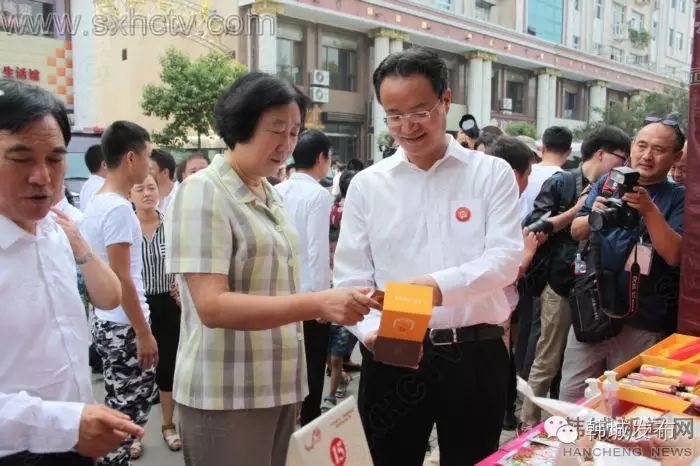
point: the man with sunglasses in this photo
(654, 246)
(563, 195)
(439, 215)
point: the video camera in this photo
(616, 214)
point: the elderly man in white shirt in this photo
(47, 415)
(310, 205)
(439, 215)
(95, 162)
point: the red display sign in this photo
(339, 453)
(20, 73)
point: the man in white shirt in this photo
(122, 334)
(95, 162)
(556, 147)
(439, 215)
(310, 205)
(162, 168)
(47, 415)
(69, 209)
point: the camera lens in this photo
(598, 220)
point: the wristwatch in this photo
(85, 259)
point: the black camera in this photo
(616, 214)
(542, 225)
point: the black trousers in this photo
(165, 325)
(48, 459)
(316, 348)
(460, 387)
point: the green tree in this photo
(521, 128)
(187, 95)
(673, 101)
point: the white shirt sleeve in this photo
(38, 426)
(117, 226)
(353, 265)
(498, 266)
(318, 230)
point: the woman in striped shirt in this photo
(165, 312)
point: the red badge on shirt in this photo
(463, 214)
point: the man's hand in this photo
(102, 429)
(345, 306)
(599, 203)
(427, 280)
(640, 201)
(370, 340)
(78, 244)
(147, 350)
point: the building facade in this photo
(542, 62)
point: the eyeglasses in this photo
(394, 121)
(622, 157)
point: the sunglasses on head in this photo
(665, 121)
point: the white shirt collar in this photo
(303, 177)
(454, 150)
(10, 232)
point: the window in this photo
(482, 13)
(618, 14)
(345, 138)
(637, 21)
(516, 92)
(569, 104)
(577, 5)
(599, 9)
(671, 37)
(680, 41)
(616, 54)
(339, 58)
(444, 4)
(597, 48)
(683, 6)
(635, 59)
(289, 60)
(577, 42)
(654, 29)
(14, 12)
(673, 4)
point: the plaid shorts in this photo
(340, 341)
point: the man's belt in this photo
(450, 336)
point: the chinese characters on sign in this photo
(633, 429)
(20, 73)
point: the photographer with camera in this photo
(634, 221)
(560, 199)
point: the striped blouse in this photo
(155, 280)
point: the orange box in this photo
(669, 345)
(406, 312)
(645, 397)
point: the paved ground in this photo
(156, 452)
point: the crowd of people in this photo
(229, 288)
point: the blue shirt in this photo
(658, 301)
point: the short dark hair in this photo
(194, 156)
(94, 158)
(311, 143)
(416, 60)
(513, 151)
(121, 137)
(355, 164)
(488, 139)
(557, 139)
(238, 110)
(608, 138)
(671, 121)
(491, 130)
(165, 160)
(344, 181)
(22, 103)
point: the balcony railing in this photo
(620, 31)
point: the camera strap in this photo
(635, 278)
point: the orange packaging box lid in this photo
(406, 312)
